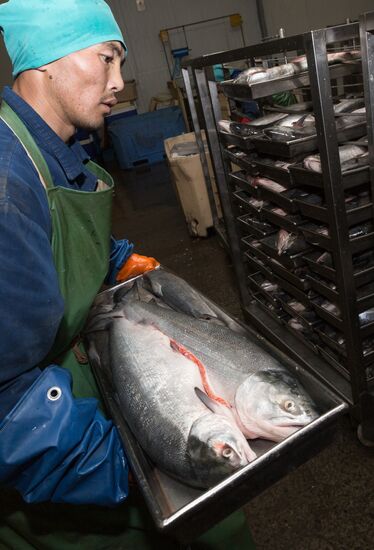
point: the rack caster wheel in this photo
(362, 439)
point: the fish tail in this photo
(202, 370)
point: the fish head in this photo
(272, 404)
(216, 447)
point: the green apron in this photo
(81, 227)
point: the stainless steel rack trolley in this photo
(321, 314)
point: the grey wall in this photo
(146, 61)
(297, 16)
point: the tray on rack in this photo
(270, 87)
(259, 283)
(259, 166)
(239, 179)
(257, 265)
(296, 147)
(333, 317)
(362, 274)
(324, 287)
(336, 343)
(276, 312)
(291, 258)
(256, 227)
(350, 178)
(295, 292)
(307, 315)
(297, 279)
(358, 244)
(248, 203)
(289, 222)
(231, 139)
(355, 216)
(284, 199)
(307, 336)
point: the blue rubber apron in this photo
(81, 226)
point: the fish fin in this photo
(125, 294)
(144, 294)
(214, 405)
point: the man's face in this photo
(83, 84)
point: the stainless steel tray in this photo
(350, 178)
(183, 512)
(256, 166)
(231, 139)
(294, 148)
(269, 87)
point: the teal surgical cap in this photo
(37, 32)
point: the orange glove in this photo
(136, 265)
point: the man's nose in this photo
(116, 81)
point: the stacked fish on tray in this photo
(285, 127)
(298, 64)
(190, 383)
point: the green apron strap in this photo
(19, 129)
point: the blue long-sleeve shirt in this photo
(31, 303)
(61, 450)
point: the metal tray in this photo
(255, 281)
(336, 361)
(290, 289)
(268, 87)
(320, 213)
(274, 266)
(276, 312)
(239, 179)
(296, 147)
(289, 259)
(245, 223)
(350, 178)
(304, 337)
(185, 513)
(257, 265)
(290, 223)
(285, 299)
(361, 275)
(329, 317)
(358, 244)
(323, 288)
(242, 199)
(255, 166)
(284, 200)
(320, 268)
(231, 139)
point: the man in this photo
(56, 446)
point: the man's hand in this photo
(136, 265)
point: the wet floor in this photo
(328, 503)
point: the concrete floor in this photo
(328, 503)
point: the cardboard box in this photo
(129, 92)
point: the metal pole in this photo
(367, 52)
(320, 84)
(200, 144)
(220, 174)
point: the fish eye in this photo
(289, 406)
(227, 452)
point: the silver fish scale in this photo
(228, 357)
(161, 405)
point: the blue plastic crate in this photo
(140, 139)
(120, 114)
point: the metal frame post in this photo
(220, 175)
(200, 144)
